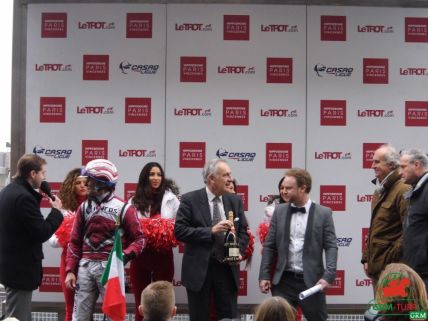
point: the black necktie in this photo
(297, 209)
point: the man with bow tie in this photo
(300, 231)
(384, 243)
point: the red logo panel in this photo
(242, 192)
(338, 286)
(192, 154)
(278, 155)
(51, 281)
(368, 152)
(364, 237)
(236, 27)
(54, 25)
(138, 110)
(236, 112)
(95, 67)
(333, 28)
(243, 283)
(279, 70)
(52, 109)
(416, 29)
(333, 196)
(129, 190)
(94, 149)
(193, 69)
(375, 71)
(139, 25)
(333, 113)
(417, 113)
(55, 187)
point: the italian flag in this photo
(113, 278)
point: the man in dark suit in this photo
(23, 229)
(201, 224)
(299, 233)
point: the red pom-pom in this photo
(63, 233)
(250, 247)
(159, 233)
(262, 231)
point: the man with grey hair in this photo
(201, 223)
(414, 171)
(388, 208)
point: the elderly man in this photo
(388, 209)
(414, 171)
(201, 224)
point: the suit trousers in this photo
(18, 304)
(291, 284)
(220, 282)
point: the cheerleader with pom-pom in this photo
(73, 192)
(157, 204)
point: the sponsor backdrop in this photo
(266, 87)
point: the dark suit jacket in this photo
(23, 229)
(320, 236)
(193, 227)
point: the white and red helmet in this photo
(102, 170)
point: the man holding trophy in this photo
(202, 224)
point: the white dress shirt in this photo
(298, 225)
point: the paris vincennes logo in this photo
(236, 112)
(52, 109)
(236, 27)
(192, 154)
(95, 67)
(193, 69)
(417, 113)
(55, 187)
(333, 28)
(243, 283)
(368, 152)
(278, 155)
(54, 25)
(375, 71)
(139, 25)
(138, 110)
(94, 149)
(416, 29)
(338, 285)
(333, 196)
(129, 190)
(333, 112)
(242, 192)
(279, 70)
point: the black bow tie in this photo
(298, 209)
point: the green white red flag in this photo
(113, 278)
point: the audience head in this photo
(158, 301)
(413, 294)
(275, 309)
(413, 165)
(73, 189)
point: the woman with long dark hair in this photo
(73, 192)
(157, 204)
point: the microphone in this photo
(45, 188)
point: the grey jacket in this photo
(320, 236)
